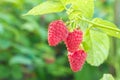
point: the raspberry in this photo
(73, 40)
(77, 59)
(57, 32)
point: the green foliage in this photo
(4, 72)
(26, 55)
(107, 27)
(83, 8)
(46, 7)
(58, 6)
(97, 46)
(20, 60)
(107, 77)
(16, 72)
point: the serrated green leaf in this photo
(97, 46)
(107, 77)
(85, 7)
(46, 8)
(109, 28)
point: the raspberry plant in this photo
(96, 31)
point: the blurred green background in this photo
(26, 55)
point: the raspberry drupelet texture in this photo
(77, 59)
(73, 40)
(57, 32)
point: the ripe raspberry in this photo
(73, 40)
(77, 59)
(57, 32)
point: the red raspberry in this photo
(57, 32)
(73, 40)
(77, 59)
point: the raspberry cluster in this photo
(58, 32)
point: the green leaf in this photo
(107, 27)
(84, 7)
(97, 46)
(65, 2)
(4, 44)
(16, 72)
(107, 77)
(4, 71)
(20, 60)
(46, 7)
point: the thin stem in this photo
(88, 29)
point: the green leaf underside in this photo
(46, 8)
(83, 7)
(107, 77)
(115, 32)
(97, 46)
